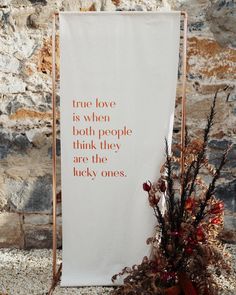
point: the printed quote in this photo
(95, 140)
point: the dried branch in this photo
(201, 154)
(211, 188)
(170, 190)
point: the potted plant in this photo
(185, 250)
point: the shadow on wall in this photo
(31, 196)
(41, 195)
(226, 192)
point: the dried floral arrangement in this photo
(186, 253)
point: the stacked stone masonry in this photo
(25, 105)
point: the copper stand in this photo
(184, 80)
(57, 272)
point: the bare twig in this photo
(211, 189)
(201, 154)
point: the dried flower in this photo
(168, 275)
(191, 241)
(189, 250)
(200, 234)
(175, 233)
(216, 221)
(217, 208)
(147, 186)
(162, 185)
(189, 204)
(153, 200)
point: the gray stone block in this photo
(20, 143)
(228, 235)
(37, 2)
(5, 143)
(226, 192)
(16, 142)
(58, 149)
(41, 195)
(11, 234)
(40, 236)
(222, 19)
(216, 149)
(37, 219)
(31, 196)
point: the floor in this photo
(29, 273)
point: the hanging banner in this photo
(118, 85)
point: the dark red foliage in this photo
(146, 186)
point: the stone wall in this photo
(25, 108)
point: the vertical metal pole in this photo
(54, 145)
(183, 121)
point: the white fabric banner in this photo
(118, 87)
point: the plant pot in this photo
(175, 290)
(186, 285)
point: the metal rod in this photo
(183, 119)
(54, 145)
(55, 280)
